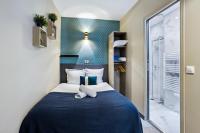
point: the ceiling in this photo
(94, 9)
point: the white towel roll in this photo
(120, 43)
(80, 95)
(89, 91)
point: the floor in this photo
(148, 128)
(165, 119)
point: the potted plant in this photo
(39, 34)
(40, 21)
(53, 17)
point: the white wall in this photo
(27, 73)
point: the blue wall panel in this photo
(95, 49)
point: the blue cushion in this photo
(82, 80)
(92, 80)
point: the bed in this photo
(60, 112)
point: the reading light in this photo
(86, 36)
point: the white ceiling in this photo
(94, 9)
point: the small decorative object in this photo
(86, 36)
(39, 34)
(51, 30)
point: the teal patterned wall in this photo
(95, 49)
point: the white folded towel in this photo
(89, 91)
(120, 43)
(80, 95)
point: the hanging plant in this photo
(40, 20)
(53, 17)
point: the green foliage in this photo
(40, 20)
(52, 17)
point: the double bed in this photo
(60, 112)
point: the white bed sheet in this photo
(72, 88)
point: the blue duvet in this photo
(109, 112)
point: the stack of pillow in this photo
(84, 78)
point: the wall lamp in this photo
(86, 36)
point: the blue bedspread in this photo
(109, 112)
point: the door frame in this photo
(146, 25)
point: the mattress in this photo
(73, 88)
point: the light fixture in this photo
(86, 37)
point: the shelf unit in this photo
(51, 30)
(39, 37)
(117, 68)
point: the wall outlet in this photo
(190, 70)
(87, 61)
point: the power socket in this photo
(87, 61)
(190, 70)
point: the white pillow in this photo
(95, 72)
(73, 76)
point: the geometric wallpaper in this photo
(95, 49)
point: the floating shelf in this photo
(74, 56)
(39, 37)
(51, 30)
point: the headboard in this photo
(63, 76)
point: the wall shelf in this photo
(51, 30)
(71, 56)
(39, 37)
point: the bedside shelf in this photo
(71, 56)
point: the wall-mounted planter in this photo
(51, 30)
(39, 37)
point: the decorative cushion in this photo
(88, 80)
(95, 72)
(82, 80)
(92, 80)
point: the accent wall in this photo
(95, 49)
